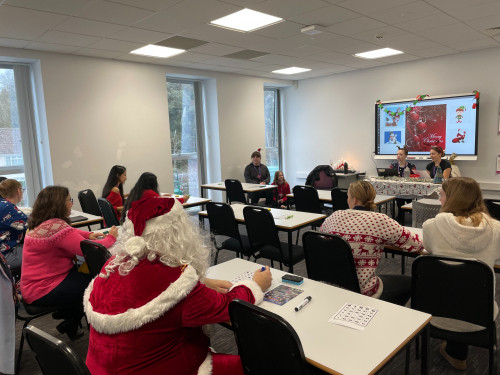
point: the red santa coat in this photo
(150, 322)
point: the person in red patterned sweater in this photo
(367, 232)
(280, 194)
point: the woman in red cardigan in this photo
(49, 276)
(280, 194)
(113, 189)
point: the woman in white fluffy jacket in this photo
(463, 229)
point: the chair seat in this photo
(272, 253)
(35, 310)
(234, 245)
(478, 338)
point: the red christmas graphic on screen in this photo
(460, 137)
(460, 113)
(426, 127)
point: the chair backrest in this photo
(324, 183)
(234, 191)
(95, 255)
(267, 344)
(329, 258)
(88, 202)
(493, 206)
(260, 227)
(339, 199)
(306, 199)
(222, 220)
(460, 289)
(421, 212)
(107, 212)
(54, 356)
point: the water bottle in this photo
(407, 173)
(438, 178)
(345, 168)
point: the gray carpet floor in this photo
(223, 341)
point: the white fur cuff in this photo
(258, 294)
(206, 367)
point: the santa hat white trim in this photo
(258, 294)
(135, 318)
(206, 367)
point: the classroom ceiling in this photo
(111, 29)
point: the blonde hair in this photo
(364, 192)
(9, 187)
(276, 175)
(464, 199)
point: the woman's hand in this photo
(263, 278)
(185, 197)
(263, 183)
(119, 209)
(96, 236)
(221, 286)
(166, 195)
(113, 232)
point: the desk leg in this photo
(403, 264)
(290, 252)
(393, 202)
(424, 361)
(201, 192)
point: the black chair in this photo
(493, 206)
(89, 205)
(261, 230)
(223, 223)
(267, 344)
(307, 200)
(54, 356)
(108, 212)
(234, 192)
(329, 258)
(339, 199)
(461, 289)
(96, 255)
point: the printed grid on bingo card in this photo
(354, 316)
(243, 277)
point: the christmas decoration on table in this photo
(339, 165)
(398, 113)
(455, 171)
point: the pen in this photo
(305, 302)
(263, 269)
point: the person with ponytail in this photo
(113, 189)
(368, 232)
(437, 153)
(462, 229)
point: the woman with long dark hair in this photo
(49, 276)
(113, 189)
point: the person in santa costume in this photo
(148, 305)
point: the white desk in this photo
(435, 202)
(247, 188)
(192, 201)
(298, 221)
(334, 348)
(91, 219)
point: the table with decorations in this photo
(404, 187)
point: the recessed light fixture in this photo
(246, 20)
(378, 53)
(292, 70)
(157, 51)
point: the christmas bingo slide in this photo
(448, 123)
(281, 295)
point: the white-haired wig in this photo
(171, 238)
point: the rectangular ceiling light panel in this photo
(157, 51)
(246, 20)
(293, 70)
(378, 53)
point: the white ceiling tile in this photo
(400, 42)
(308, 40)
(98, 53)
(216, 49)
(154, 5)
(171, 62)
(399, 58)
(116, 45)
(304, 51)
(385, 32)
(276, 46)
(244, 3)
(327, 56)
(221, 61)
(280, 30)
(366, 63)
(14, 43)
(345, 60)
(51, 47)
(249, 64)
(405, 12)
(88, 27)
(289, 8)
(436, 51)
(193, 57)
(476, 11)
(226, 69)
(133, 34)
(354, 26)
(27, 24)
(421, 45)
(371, 6)
(166, 23)
(476, 44)
(278, 59)
(334, 69)
(69, 7)
(254, 73)
(484, 23)
(202, 66)
(68, 39)
(326, 16)
(364, 47)
(134, 58)
(114, 13)
(339, 43)
(450, 34)
(448, 5)
(316, 65)
(429, 22)
(269, 68)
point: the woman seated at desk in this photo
(368, 232)
(402, 165)
(437, 153)
(463, 229)
(113, 189)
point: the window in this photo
(186, 135)
(273, 130)
(13, 160)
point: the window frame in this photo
(277, 125)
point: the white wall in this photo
(103, 112)
(332, 117)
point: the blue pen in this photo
(263, 269)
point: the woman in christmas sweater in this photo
(463, 229)
(437, 153)
(49, 276)
(146, 187)
(148, 305)
(13, 222)
(402, 165)
(280, 194)
(113, 189)
(367, 232)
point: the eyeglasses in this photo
(70, 200)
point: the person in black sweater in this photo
(257, 173)
(436, 156)
(402, 165)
